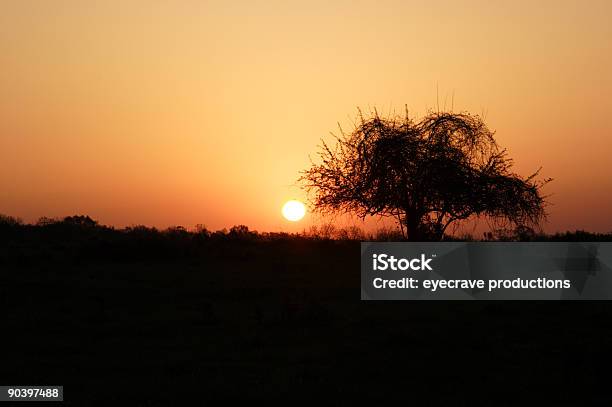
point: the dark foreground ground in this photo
(147, 322)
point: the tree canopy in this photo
(428, 174)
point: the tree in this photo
(428, 174)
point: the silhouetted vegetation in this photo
(80, 238)
(140, 316)
(430, 174)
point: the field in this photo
(145, 318)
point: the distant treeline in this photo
(80, 238)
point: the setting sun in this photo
(294, 210)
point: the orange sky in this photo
(186, 112)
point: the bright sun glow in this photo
(294, 210)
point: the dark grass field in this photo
(144, 319)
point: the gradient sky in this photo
(184, 112)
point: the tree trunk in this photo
(413, 226)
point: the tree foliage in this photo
(428, 174)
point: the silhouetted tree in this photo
(11, 221)
(81, 221)
(241, 232)
(428, 174)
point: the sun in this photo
(293, 210)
